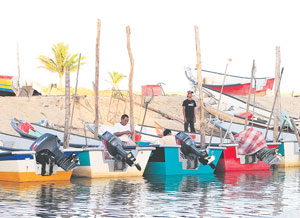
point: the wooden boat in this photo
(34, 130)
(234, 85)
(22, 160)
(230, 160)
(8, 87)
(288, 144)
(95, 161)
(169, 159)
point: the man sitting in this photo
(168, 138)
(123, 131)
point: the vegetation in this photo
(115, 79)
(62, 59)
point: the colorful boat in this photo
(288, 145)
(6, 86)
(24, 160)
(170, 160)
(16, 86)
(234, 85)
(229, 160)
(95, 161)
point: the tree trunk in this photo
(67, 112)
(96, 88)
(130, 82)
(200, 81)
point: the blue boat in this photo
(169, 160)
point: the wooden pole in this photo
(200, 81)
(75, 96)
(277, 101)
(18, 59)
(96, 85)
(254, 98)
(276, 93)
(130, 82)
(249, 95)
(67, 111)
(218, 107)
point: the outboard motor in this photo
(269, 155)
(115, 149)
(193, 154)
(48, 152)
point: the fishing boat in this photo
(95, 160)
(288, 143)
(230, 160)
(234, 85)
(15, 86)
(25, 160)
(172, 159)
(34, 130)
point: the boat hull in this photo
(231, 161)
(167, 160)
(23, 168)
(98, 164)
(291, 154)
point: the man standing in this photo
(122, 130)
(189, 112)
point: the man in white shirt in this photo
(123, 131)
(168, 138)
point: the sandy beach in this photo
(52, 108)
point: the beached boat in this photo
(13, 86)
(234, 85)
(288, 144)
(25, 160)
(170, 159)
(230, 160)
(34, 130)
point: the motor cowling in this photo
(48, 152)
(115, 149)
(188, 148)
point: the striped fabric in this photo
(250, 141)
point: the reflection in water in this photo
(235, 194)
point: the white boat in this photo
(25, 160)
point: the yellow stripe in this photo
(5, 82)
(33, 177)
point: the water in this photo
(239, 194)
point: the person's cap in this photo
(190, 92)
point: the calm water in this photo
(243, 194)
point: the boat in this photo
(230, 160)
(25, 160)
(288, 144)
(34, 130)
(95, 160)
(171, 159)
(16, 86)
(234, 85)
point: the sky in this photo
(162, 38)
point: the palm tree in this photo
(62, 59)
(115, 79)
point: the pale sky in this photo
(162, 38)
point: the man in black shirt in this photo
(189, 112)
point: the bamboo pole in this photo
(19, 72)
(75, 96)
(199, 76)
(96, 85)
(249, 95)
(67, 111)
(218, 107)
(254, 98)
(276, 93)
(130, 82)
(277, 102)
